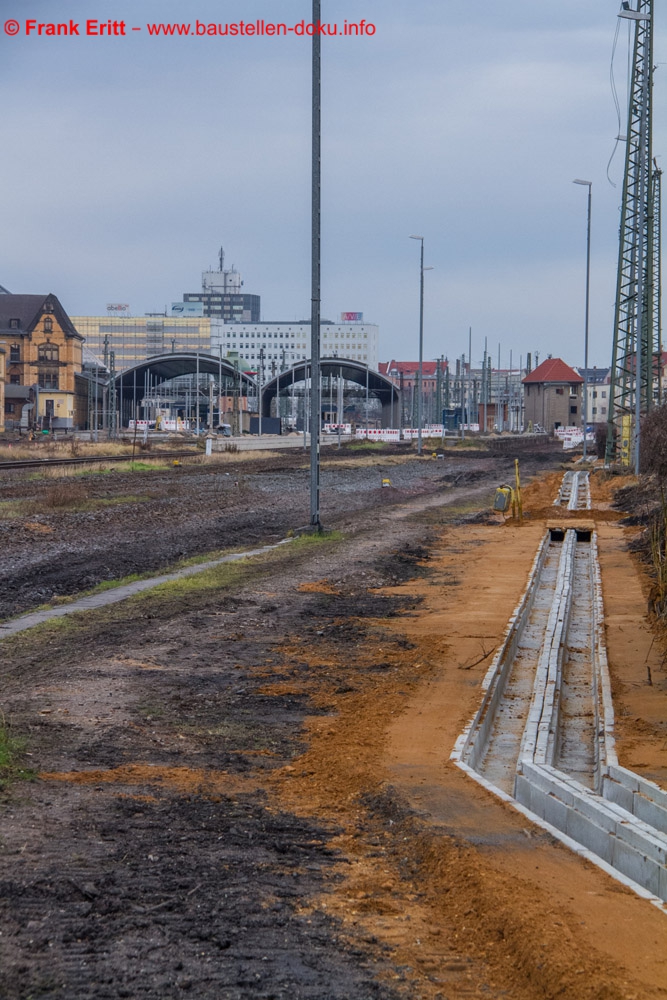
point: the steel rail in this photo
(38, 463)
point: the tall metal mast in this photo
(636, 339)
(656, 275)
(315, 303)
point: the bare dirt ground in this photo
(61, 536)
(243, 782)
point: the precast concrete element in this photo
(629, 845)
(542, 721)
(576, 749)
(551, 751)
(472, 744)
(644, 799)
(574, 493)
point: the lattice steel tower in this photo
(635, 366)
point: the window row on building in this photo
(285, 343)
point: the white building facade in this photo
(284, 344)
(598, 394)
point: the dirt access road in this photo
(244, 790)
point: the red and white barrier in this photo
(573, 436)
(377, 434)
(335, 428)
(429, 430)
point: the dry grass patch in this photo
(70, 448)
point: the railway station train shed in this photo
(553, 396)
(337, 372)
(135, 385)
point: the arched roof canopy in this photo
(351, 371)
(163, 367)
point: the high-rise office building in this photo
(221, 296)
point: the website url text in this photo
(93, 28)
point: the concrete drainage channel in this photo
(542, 738)
(574, 493)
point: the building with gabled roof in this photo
(552, 396)
(43, 352)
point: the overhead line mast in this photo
(635, 367)
(656, 275)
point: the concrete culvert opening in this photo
(557, 534)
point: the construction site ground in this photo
(241, 781)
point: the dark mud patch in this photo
(361, 604)
(145, 551)
(477, 517)
(466, 478)
(177, 897)
(405, 563)
(387, 806)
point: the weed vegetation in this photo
(366, 446)
(12, 752)
(231, 574)
(468, 442)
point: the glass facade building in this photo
(135, 338)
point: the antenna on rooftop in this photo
(221, 258)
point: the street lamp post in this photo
(315, 397)
(420, 370)
(589, 185)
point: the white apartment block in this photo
(284, 344)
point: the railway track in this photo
(543, 735)
(48, 463)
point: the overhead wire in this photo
(614, 93)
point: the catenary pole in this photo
(589, 185)
(420, 368)
(315, 405)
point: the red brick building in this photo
(552, 396)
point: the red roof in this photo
(429, 368)
(553, 370)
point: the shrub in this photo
(653, 455)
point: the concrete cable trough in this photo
(543, 735)
(574, 493)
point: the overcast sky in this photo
(128, 161)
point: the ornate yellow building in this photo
(42, 353)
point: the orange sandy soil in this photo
(476, 901)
